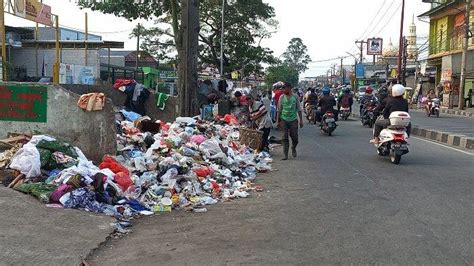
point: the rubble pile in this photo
(187, 165)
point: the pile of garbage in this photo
(187, 165)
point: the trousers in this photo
(290, 129)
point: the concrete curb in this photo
(448, 138)
(449, 112)
(457, 112)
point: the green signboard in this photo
(23, 102)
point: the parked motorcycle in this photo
(328, 123)
(433, 107)
(393, 139)
(345, 112)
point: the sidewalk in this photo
(34, 234)
(453, 130)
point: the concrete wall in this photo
(118, 99)
(25, 57)
(93, 132)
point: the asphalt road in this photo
(338, 202)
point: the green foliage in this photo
(281, 72)
(296, 55)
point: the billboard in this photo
(76, 74)
(360, 71)
(33, 10)
(374, 46)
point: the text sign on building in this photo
(374, 46)
(20, 102)
(33, 10)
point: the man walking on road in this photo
(288, 112)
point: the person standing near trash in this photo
(288, 112)
(260, 117)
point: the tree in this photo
(246, 23)
(169, 10)
(296, 55)
(281, 72)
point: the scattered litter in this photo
(184, 165)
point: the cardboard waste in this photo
(187, 165)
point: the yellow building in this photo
(445, 45)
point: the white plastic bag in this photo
(27, 161)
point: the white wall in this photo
(25, 57)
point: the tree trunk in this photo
(187, 58)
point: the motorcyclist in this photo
(326, 103)
(394, 103)
(345, 99)
(311, 102)
(368, 99)
(382, 101)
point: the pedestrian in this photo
(288, 112)
(260, 117)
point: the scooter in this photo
(393, 139)
(345, 112)
(433, 107)
(328, 123)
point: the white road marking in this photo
(445, 146)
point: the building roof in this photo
(78, 44)
(439, 9)
(130, 55)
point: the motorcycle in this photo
(393, 139)
(433, 107)
(345, 112)
(328, 123)
(368, 117)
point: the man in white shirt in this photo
(260, 116)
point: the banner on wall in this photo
(23, 102)
(76, 74)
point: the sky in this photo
(327, 28)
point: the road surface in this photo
(337, 203)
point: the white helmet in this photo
(398, 90)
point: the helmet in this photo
(326, 91)
(347, 90)
(369, 90)
(398, 90)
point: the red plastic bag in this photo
(122, 175)
(123, 180)
(230, 119)
(204, 171)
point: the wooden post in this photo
(3, 39)
(86, 39)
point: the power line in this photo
(373, 19)
(381, 19)
(390, 19)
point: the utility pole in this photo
(404, 61)
(361, 49)
(400, 43)
(462, 83)
(138, 49)
(188, 58)
(342, 71)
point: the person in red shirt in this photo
(278, 91)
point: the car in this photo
(45, 80)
